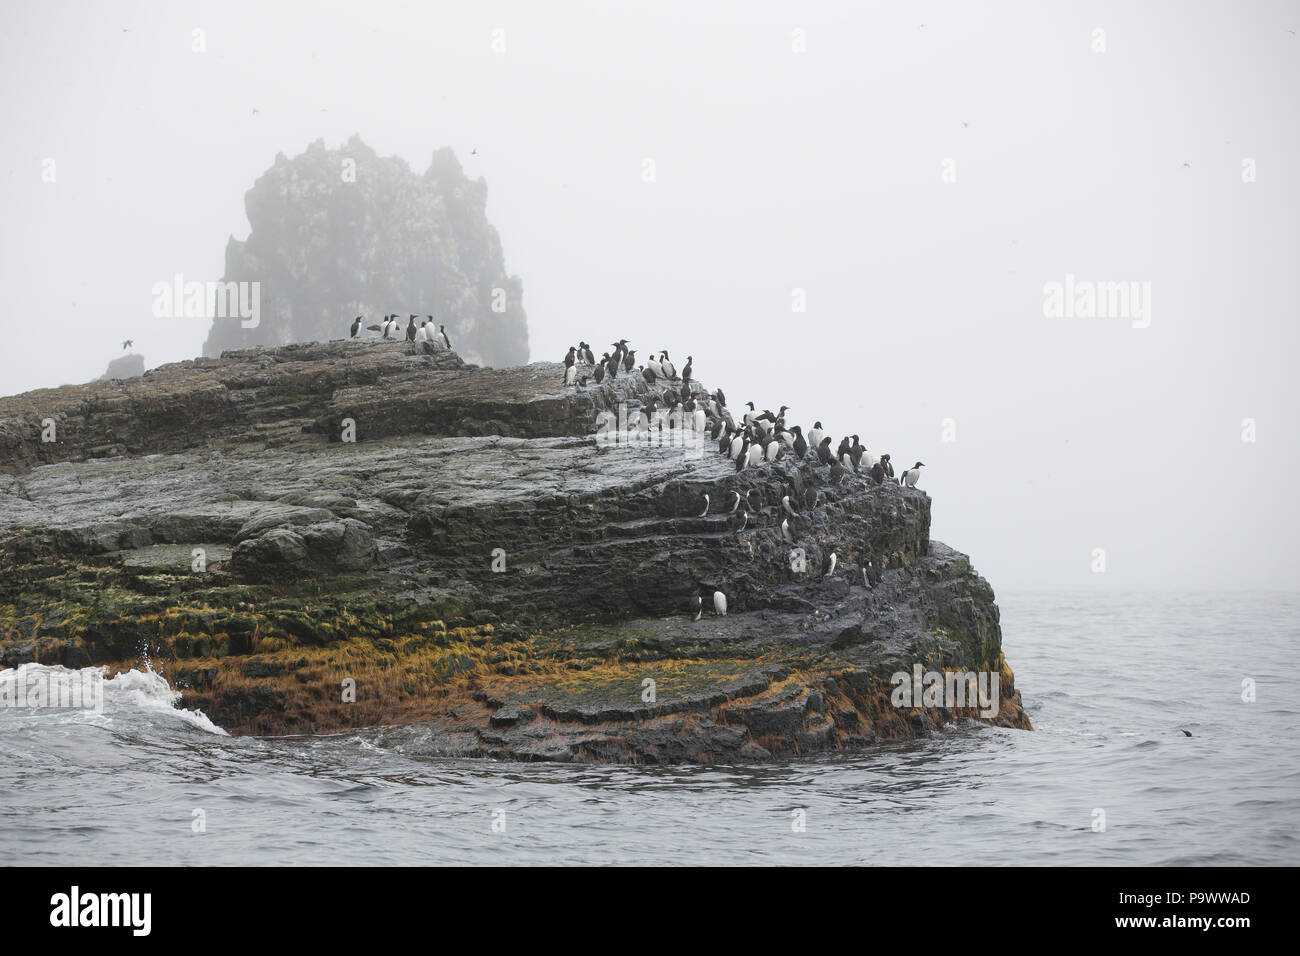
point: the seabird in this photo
(785, 530)
(856, 451)
(706, 505)
(719, 604)
(824, 451)
(912, 475)
(356, 327)
(570, 375)
(830, 564)
(744, 454)
(870, 574)
(648, 374)
(128, 343)
(686, 371)
(800, 445)
(670, 370)
(410, 329)
(587, 357)
(815, 436)
(786, 506)
(442, 330)
(699, 607)
(599, 371)
(629, 360)
(571, 357)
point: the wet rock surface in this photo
(492, 578)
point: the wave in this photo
(44, 693)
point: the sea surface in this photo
(1110, 681)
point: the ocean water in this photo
(1110, 682)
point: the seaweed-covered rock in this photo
(485, 573)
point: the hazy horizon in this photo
(777, 169)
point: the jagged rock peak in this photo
(337, 233)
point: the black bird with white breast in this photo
(815, 436)
(670, 370)
(910, 477)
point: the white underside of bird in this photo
(815, 437)
(911, 477)
(736, 444)
(570, 375)
(422, 334)
(835, 559)
(785, 530)
(719, 603)
(773, 448)
(755, 454)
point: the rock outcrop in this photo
(281, 528)
(346, 232)
(125, 366)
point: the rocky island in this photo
(313, 537)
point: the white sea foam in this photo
(123, 694)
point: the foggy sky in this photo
(775, 171)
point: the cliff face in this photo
(340, 233)
(492, 579)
